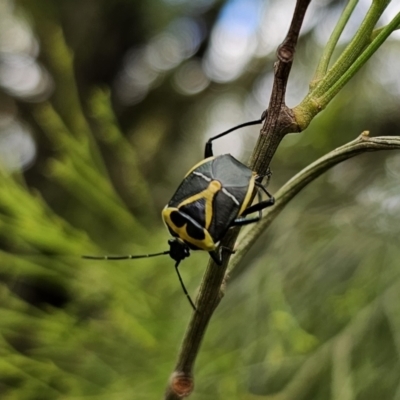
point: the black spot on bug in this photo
(177, 219)
(195, 232)
(196, 210)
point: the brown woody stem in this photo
(278, 122)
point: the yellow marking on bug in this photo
(249, 194)
(206, 244)
(213, 188)
(208, 194)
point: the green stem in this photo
(87, 192)
(63, 139)
(376, 32)
(76, 155)
(332, 42)
(332, 83)
(135, 187)
(361, 60)
(353, 49)
(362, 144)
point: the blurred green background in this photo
(104, 106)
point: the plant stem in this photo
(361, 60)
(362, 144)
(353, 49)
(333, 81)
(279, 121)
(332, 42)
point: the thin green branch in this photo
(350, 61)
(26, 219)
(361, 60)
(135, 187)
(377, 31)
(353, 49)
(101, 203)
(76, 171)
(362, 144)
(332, 42)
(58, 132)
(60, 62)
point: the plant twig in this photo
(362, 144)
(279, 122)
(360, 61)
(332, 42)
(280, 119)
(353, 49)
(356, 54)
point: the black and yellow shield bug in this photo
(215, 195)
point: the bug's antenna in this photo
(127, 257)
(179, 252)
(183, 286)
(208, 150)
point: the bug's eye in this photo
(195, 232)
(177, 219)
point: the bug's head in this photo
(178, 250)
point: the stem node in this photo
(181, 384)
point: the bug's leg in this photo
(267, 175)
(242, 220)
(208, 152)
(261, 203)
(183, 286)
(246, 221)
(230, 251)
(216, 256)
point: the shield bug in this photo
(215, 195)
